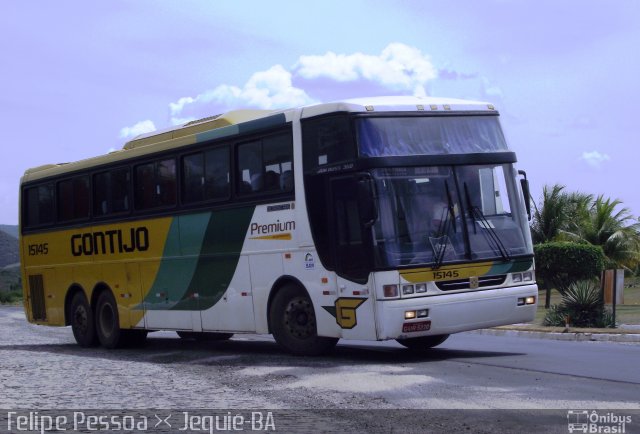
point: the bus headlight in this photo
(407, 289)
(526, 300)
(410, 314)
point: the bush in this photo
(560, 264)
(582, 306)
(10, 297)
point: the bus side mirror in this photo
(366, 201)
(524, 182)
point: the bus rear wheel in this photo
(82, 322)
(423, 342)
(205, 336)
(293, 323)
(108, 321)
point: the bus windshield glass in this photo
(442, 214)
(429, 135)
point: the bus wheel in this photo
(82, 323)
(423, 342)
(205, 336)
(293, 323)
(107, 321)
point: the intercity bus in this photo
(373, 219)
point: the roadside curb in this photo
(569, 336)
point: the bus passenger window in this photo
(155, 184)
(73, 199)
(263, 163)
(250, 166)
(217, 173)
(111, 192)
(39, 210)
(193, 178)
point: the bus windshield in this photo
(429, 135)
(441, 214)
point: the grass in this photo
(628, 313)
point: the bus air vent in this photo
(36, 293)
(483, 282)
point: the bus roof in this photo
(238, 121)
(396, 104)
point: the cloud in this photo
(270, 89)
(139, 128)
(398, 67)
(595, 158)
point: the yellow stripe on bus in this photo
(450, 272)
(286, 236)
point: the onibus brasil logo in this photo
(594, 422)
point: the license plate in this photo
(421, 326)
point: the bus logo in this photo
(344, 311)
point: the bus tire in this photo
(82, 322)
(423, 342)
(293, 323)
(205, 336)
(108, 321)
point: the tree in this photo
(615, 230)
(551, 216)
(562, 263)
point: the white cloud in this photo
(398, 67)
(139, 128)
(595, 158)
(270, 89)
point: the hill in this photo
(9, 252)
(10, 229)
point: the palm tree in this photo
(552, 216)
(615, 230)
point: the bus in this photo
(371, 219)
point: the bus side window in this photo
(250, 167)
(111, 192)
(262, 164)
(217, 173)
(73, 199)
(155, 184)
(39, 209)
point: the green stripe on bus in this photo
(218, 258)
(514, 266)
(179, 261)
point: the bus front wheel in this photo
(423, 342)
(82, 322)
(293, 323)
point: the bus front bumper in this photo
(453, 313)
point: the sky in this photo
(79, 78)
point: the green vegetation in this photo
(578, 235)
(627, 313)
(581, 218)
(562, 263)
(582, 306)
(10, 285)
(10, 297)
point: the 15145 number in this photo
(448, 274)
(38, 249)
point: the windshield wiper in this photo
(443, 229)
(492, 237)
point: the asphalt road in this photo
(471, 383)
